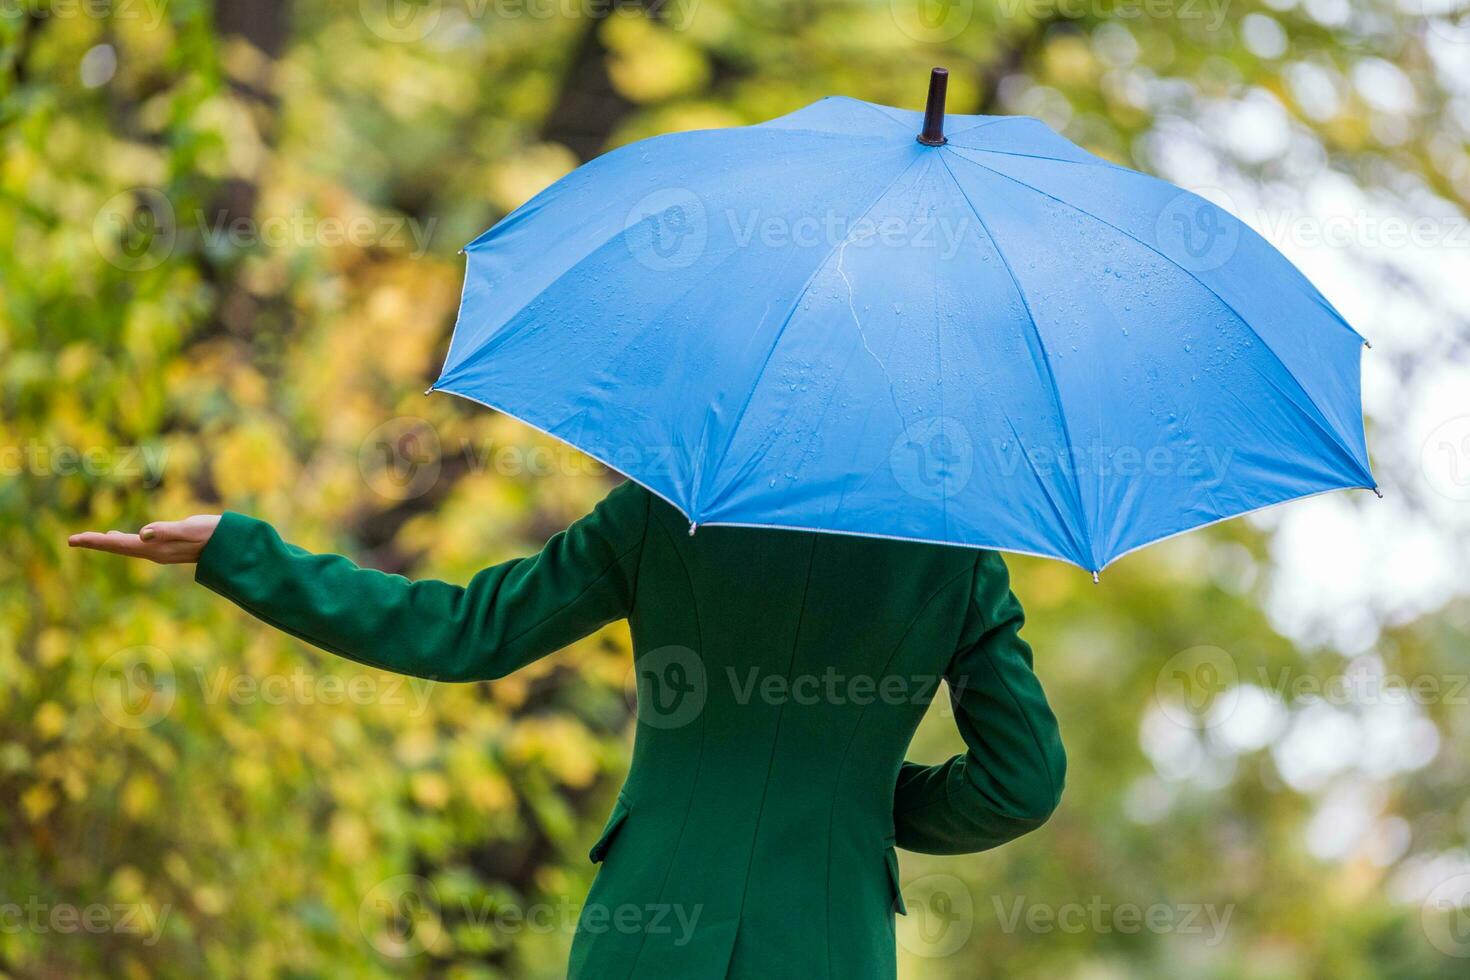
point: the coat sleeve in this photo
(1010, 779)
(508, 616)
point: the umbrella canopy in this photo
(984, 336)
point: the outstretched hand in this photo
(164, 542)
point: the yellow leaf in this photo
(50, 720)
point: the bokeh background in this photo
(228, 269)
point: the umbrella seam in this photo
(1088, 535)
(510, 328)
(1316, 294)
(781, 332)
(1336, 437)
(876, 108)
(1105, 164)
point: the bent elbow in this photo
(1029, 795)
(1044, 794)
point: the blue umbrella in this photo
(982, 336)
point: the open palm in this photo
(164, 542)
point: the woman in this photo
(781, 675)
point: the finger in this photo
(115, 542)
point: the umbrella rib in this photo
(868, 105)
(511, 326)
(1041, 343)
(981, 125)
(1320, 419)
(1106, 164)
(781, 332)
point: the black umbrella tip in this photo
(933, 131)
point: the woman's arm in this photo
(1010, 780)
(508, 615)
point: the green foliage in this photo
(227, 271)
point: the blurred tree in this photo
(227, 271)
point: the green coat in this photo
(781, 675)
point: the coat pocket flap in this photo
(892, 859)
(615, 822)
